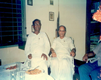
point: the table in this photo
(19, 74)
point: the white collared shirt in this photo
(63, 46)
(37, 44)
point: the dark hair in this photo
(36, 20)
(62, 26)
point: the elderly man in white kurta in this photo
(37, 47)
(63, 51)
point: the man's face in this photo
(36, 26)
(62, 31)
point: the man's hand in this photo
(53, 54)
(30, 56)
(72, 54)
(44, 56)
(85, 57)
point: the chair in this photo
(0, 62)
(77, 63)
(92, 59)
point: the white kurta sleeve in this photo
(54, 44)
(28, 46)
(47, 45)
(71, 44)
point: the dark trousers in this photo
(90, 69)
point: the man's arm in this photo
(52, 50)
(53, 53)
(53, 47)
(73, 52)
(27, 48)
(95, 51)
(46, 48)
(73, 49)
(87, 55)
(91, 54)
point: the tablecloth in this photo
(19, 74)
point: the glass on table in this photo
(13, 75)
(18, 66)
(26, 65)
(21, 75)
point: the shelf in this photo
(94, 22)
(94, 25)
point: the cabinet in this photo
(92, 26)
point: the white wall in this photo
(72, 15)
(40, 10)
(11, 55)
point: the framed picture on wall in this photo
(30, 2)
(51, 2)
(51, 16)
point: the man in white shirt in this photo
(63, 51)
(37, 47)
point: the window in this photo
(12, 27)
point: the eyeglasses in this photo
(36, 24)
(61, 30)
